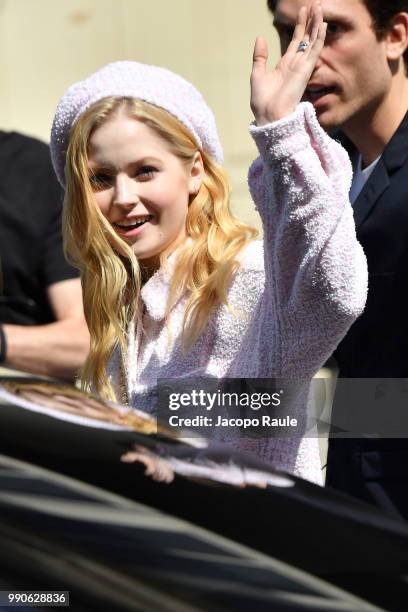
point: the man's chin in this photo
(324, 115)
(327, 120)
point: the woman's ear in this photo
(196, 173)
(396, 36)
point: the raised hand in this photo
(276, 94)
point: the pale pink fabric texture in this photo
(299, 291)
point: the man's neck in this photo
(372, 129)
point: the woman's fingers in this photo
(300, 30)
(316, 21)
(318, 44)
(316, 33)
(260, 57)
(276, 93)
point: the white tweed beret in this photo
(158, 86)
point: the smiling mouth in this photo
(130, 225)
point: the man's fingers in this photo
(260, 56)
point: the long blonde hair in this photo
(110, 272)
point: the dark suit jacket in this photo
(377, 344)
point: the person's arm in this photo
(315, 270)
(57, 349)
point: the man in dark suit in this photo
(360, 85)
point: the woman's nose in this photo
(125, 191)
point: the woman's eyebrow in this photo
(100, 167)
(104, 165)
(148, 159)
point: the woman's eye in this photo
(100, 180)
(146, 172)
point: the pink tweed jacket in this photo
(299, 290)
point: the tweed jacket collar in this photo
(155, 293)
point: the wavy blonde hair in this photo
(110, 272)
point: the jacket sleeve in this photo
(315, 270)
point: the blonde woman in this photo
(174, 285)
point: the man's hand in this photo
(58, 349)
(277, 93)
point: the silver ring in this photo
(303, 45)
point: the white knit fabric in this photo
(153, 84)
(300, 291)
